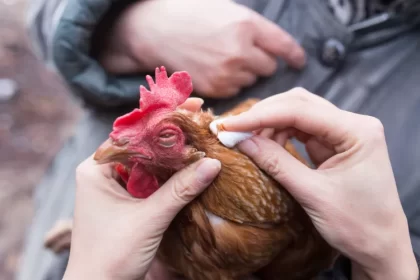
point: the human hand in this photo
(352, 196)
(116, 236)
(223, 45)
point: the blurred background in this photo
(36, 116)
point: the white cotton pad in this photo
(228, 138)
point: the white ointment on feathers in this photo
(228, 138)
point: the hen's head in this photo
(146, 140)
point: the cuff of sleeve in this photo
(72, 53)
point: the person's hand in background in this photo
(223, 45)
(116, 236)
(352, 196)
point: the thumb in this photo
(274, 40)
(279, 164)
(181, 189)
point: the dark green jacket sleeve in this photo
(72, 53)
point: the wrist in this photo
(393, 259)
(405, 272)
(130, 38)
(76, 272)
(137, 29)
(81, 265)
(120, 48)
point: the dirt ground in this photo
(33, 126)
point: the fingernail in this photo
(249, 147)
(207, 170)
(299, 57)
(227, 122)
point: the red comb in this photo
(166, 93)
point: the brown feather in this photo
(243, 222)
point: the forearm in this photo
(110, 41)
(121, 50)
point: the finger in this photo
(192, 104)
(89, 173)
(279, 164)
(242, 79)
(261, 63)
(278, 42)
(305, 114)
(282, 137)
(106, 170)
(181, 189)
(318, 152)
(267, 133)
(298, 94)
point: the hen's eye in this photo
(167, 139)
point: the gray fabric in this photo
(381, 81)
(73, 56)
(43, 18)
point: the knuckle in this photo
(81, 171)
(236, 55)
(271, 68)
(221, 77)
(182, 191)
(375, 124)
(272, 166)
(374, 128)
(300, 94)
(299, 100)
(238, 48)
(245, 23)
(206, 88)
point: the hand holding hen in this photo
(98, 191)
(352, 196)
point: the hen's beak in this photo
(111, 152)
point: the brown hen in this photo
(245, 223)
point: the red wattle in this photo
(141, 184)
(122, 171)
